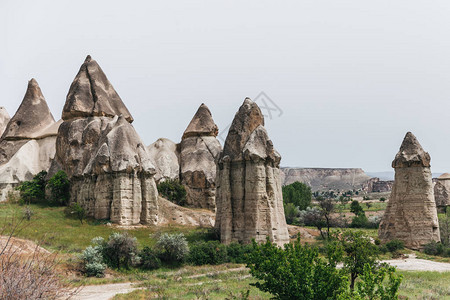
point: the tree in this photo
(291, 213)
(444, 227)
(173, 190)
(356, 208)
(359, 252)
(33, 190)
(59, 188)
(297, 193)
(297, 271)
(327, 208)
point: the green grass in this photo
(374, 206)
(425, 285)
(53, 230)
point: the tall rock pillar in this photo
(248, 197)
(411, 214)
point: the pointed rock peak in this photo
(246, 120)
(32, 116)
(202, 124)
(411, 154)
(91, 94)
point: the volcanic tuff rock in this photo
(199, 151)
(165, 156)
(91, 94)
(4, 119)
(249, 200)
(110, 169)
(442, 192)
(27, 145)
(411, 212)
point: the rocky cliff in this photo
(323, 179)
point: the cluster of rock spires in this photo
(113, 174)
(106, 161)
(411, 214)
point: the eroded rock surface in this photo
(4, 119)
(199, 151)
(165, 155)
(442, 192)
(108, 164)
(411, 212)
(27, 145)
(249, 199)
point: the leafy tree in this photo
(173, 190)
(77, 211)
(298, 194)
(359, 252)
(297, 271)
(313, 217)
(356, 208)
(444, 227)
(327, 208)
(33, 190)
(59, 188)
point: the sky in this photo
(343, 80)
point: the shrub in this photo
(172, 247)
(59, 188)
(356, 208)
(237, 253)
(395, 245)
(149, 259)
(374, 221)
(75, 210)
(34, 190)
(92, 261)
(434, 248)
(360, 221)
(291, 213)
(27, 213)
(207, 253)
(173, 190)
(382, 199)
(120, 250)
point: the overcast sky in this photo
(350, 77)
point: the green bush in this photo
(291, 213)
(92, 260)
(395, 245)
(75, 210)
(149, 259)
(356, 208)
(434, 248)
(172, 248)
(297, 193)
(59, 186)
(173, 190)
(208, 253)
(33, 191)
(120, 250)
(237, 253)
(360, 221)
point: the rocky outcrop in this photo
(442, 192)
(375, 185)
(27, 145)
(411, 212)
(199, 151)
(4, 119)
(249, 200)
(165, 155)
(324, 179)
(108, 164)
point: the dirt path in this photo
(415, 264)
(104, 291)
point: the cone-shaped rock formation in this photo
(4, 119)
(199, 151)
(249, 199)
(442, 192)
(91, 94)
(110, 169)
(27, 145)
(411, 212)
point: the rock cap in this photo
(202, 124)
(444, 176)
(91, 94)
(411, 154)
